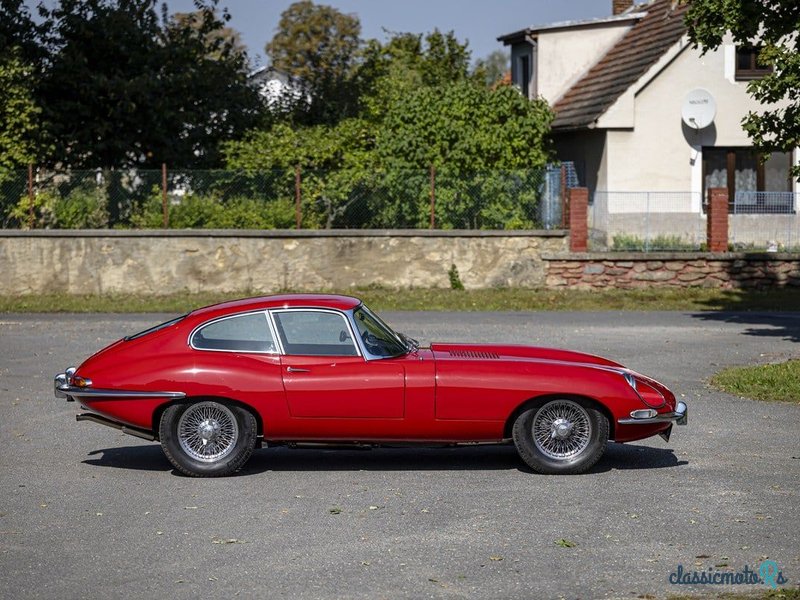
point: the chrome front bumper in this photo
(680, 417)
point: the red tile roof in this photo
(629, 59)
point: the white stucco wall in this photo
(660, 153)
(564, 55)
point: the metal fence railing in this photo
(646, 221)
(770, 203)
(294, 198)
(764, 221)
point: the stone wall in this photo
(104, 261)
(665, 269)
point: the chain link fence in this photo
(283, 199)
(646, 222)
(676, 221)
(764, 221)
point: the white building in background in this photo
(273, 85)
(618, 86)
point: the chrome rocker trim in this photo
(680, 417)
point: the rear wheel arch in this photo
(538, 401)
(221, 399)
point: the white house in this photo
(274, 85)
(618, 86)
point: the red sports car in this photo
(218, 382)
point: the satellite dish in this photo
(698, 108)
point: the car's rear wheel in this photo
(561, 436)
(207, 438)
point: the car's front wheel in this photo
(207, 438)
(561, 436)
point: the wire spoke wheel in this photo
(562, 429)
(563, 435)
(208, 431)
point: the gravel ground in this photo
(88, 512)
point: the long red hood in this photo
(500, 351)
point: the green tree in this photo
(493, 67)
(466, 127)
(406, 62)
(210, 99)
(336, 162)
(317, 46)
(488, 148)
(18, 32)
(227, 38)
(773, 26)
(124, 87)
(19, 114)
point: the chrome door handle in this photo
(296, 370)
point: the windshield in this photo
(378, 338)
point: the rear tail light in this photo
(81, 382)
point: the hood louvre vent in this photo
(473, 354)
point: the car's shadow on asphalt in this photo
(462, 458)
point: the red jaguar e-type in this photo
(218, 382)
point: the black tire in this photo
(207, 438)
(572, 436)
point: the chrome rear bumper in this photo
(63, 389)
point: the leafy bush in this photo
(455, 278)
(209, 212)
(19, 214)
(84, 207)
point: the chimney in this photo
(620, 6)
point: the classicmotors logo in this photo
(767, 573)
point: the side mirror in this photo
(343, 336)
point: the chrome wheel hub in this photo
(207, 431)
(562, 429)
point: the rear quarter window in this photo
(240, 333)
(158, 327)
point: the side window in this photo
(314, 333)
(242, 333)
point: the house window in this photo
(748, 64)
(753, 185)
(525, 75)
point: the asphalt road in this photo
(87, 512)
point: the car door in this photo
(325, 375)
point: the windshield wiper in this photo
(412, 345)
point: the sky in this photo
(478, 21)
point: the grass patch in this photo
(502, 299)
(773, 383)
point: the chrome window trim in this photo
(344, 315)
(351, 317)
(272, 332)
(274, 327)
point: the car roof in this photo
(280, 301)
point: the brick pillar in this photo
(578, 200)
(717, 221)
